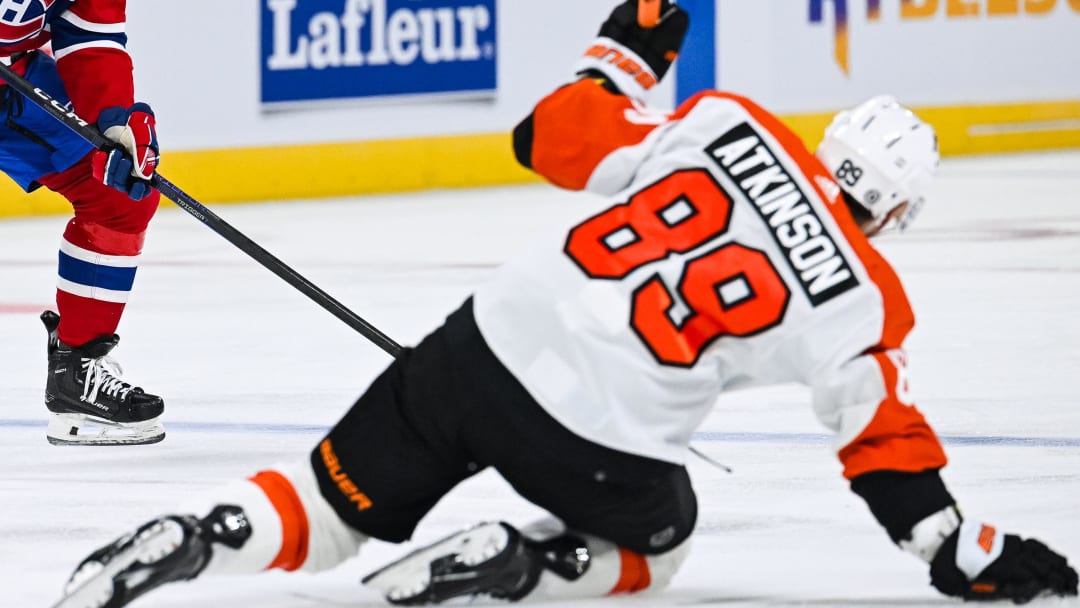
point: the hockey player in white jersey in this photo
(723, 252)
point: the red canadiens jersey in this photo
(88, 41)
(720, 255)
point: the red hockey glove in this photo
(631, 57)
(977, 562)
(129, 166)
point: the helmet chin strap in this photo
(893, 220)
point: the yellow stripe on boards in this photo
(468, 161)
(342, 169)
(981, 129)
(16, 203)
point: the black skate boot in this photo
(491, 559)
(165, 550)
(88, 402)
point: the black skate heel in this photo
(88, 402)
(165, 550)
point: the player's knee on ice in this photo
(612, 569)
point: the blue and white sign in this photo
(315, 50)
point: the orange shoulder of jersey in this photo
(577, 126)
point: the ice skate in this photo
(165, 550)
(88, 402)
(490, 559)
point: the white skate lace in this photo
(102, 378)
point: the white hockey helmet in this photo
(882, 155)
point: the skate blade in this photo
(410, 576)
(83, 429)
(93, 584)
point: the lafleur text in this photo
(432, 34)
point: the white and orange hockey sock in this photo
(293, 527)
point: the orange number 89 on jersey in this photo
(729, 289)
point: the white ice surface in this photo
(253, 371)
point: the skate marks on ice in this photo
(680, 599)
(307, 599)
(670, 599)
(907, 601)
(1063, 227)
(760, 601)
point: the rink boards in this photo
(336, 104)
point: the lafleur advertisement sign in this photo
(319, 50)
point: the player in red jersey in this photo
(90, 71)
(721, 253)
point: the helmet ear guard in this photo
(882, 155)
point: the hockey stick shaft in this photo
(197, 210)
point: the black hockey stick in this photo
(44, 101)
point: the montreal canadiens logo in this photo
(22, 19)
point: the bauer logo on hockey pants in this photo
(347, 487)
(339, 49)
(809, 249)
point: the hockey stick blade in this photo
(197, 210)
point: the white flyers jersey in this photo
(721, 255)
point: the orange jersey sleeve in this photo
(572, 130)
(897, 437)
